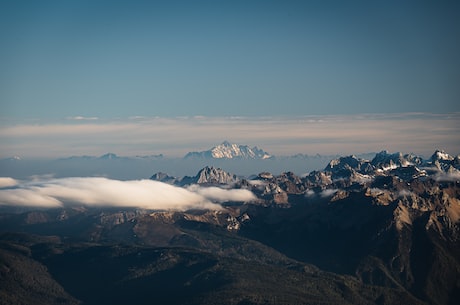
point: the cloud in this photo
(455, 176)
(27, 197)
(82, 118)
(344, 134)
(257, 182)
(328, 192)
(222, 195)
(99, 191)
(404, 193)
(7, 182)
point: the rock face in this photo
(163, 177)
(350, 168)
(408, 173)
(212, 175)
(208, 175)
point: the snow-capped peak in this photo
(227, 150)
(441, 155)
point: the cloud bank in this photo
(455, 176)
(419, 133)
(7, 182)
(96, 191)
(222, 195)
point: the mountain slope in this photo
(24, 280)
(385, 231)
(121, 274)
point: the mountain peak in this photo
(213, 175)
(348, 167)
(386, 161)
(163, 177)
(441, 155)
(227, 150)
(109, 156)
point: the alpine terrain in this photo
(379, 231)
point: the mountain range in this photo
(225, 150)
(384, 230)
(241, 159)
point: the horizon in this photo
(418, 133)
(169, 157)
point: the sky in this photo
(147, 77)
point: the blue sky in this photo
(225, 58)
(149, 77)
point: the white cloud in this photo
(27, 197)
(257, 182)
(455, 176)
(82, 118)
(7, 182)
(107, 192)
(328, 192)
(404, 193)
(222, 195)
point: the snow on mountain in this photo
(345, 165)
(228, 150)
(386, 161)
(445, 163)
(408, 173)
(441, 155)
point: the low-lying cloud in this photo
(310, 193)
(323, 194)
(405, 193)
(328, 192)
(7, 182)
(455, 176)
(222, 195)
(97, 191)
